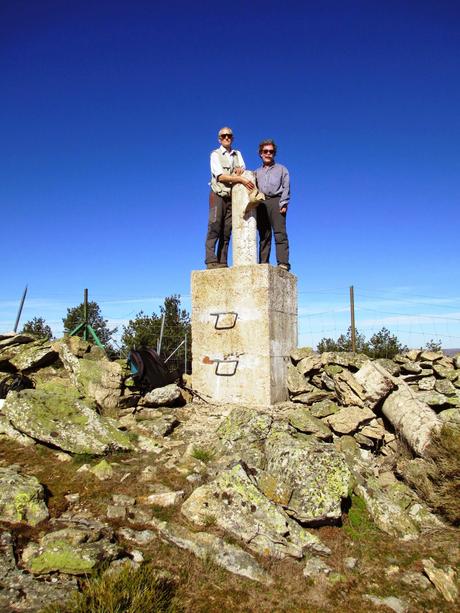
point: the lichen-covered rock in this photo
(436, 399)
(301, 419)
(389, 365)
(92, 374)
(162, 396)
(34, 355)
(442, 578)
(236, 505)
(62, 421)
(7, 430)
(348, 419)
(314, 396)
(396, 509)
(22, 498)
(102, 470)
(210, 547)
(444, 386)
(69, 551)
(244, 426)
(316, 473)
(323, 408)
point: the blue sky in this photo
(109, 110)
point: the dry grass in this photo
(126, 590)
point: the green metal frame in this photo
(85, 325)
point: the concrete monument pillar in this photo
(244, 321)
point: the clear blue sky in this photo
(109, 109)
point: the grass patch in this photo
(84, 458)
(200, 453)
(359, 524)
(124, 590)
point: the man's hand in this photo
(249, 185)
(283, 210)
(238, 170)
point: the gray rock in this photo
(450, 416)
(62, 421)
(442, 579)
(116, 512)
(415, 580)
(315, 567)
(164, 425)
(210, 547)
(395, 604)
(233, 503)
(349, 419)
(435, 399)
(162, 396)
(21, 498)
(165, 499)
(139, 537)
(315, 473)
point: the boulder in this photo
(323, 408)
(316, 473)
(162, 396)
(235, 504)
(411, 417)
(62, 421)
(442, 578)
(22, 498)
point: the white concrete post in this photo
(244, 225)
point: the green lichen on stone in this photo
(63, 557)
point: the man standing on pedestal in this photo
(273, 181)
(227, 166)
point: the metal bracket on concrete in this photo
(224, 327)
(226, 374)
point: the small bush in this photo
(205, 455)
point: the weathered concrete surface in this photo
(244, 225)
(242, 357)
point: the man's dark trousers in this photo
(268, 217)
(219, 228)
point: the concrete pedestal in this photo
(244, 325)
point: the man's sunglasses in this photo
(226, 136)
(268, 151)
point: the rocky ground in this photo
(327, 502)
